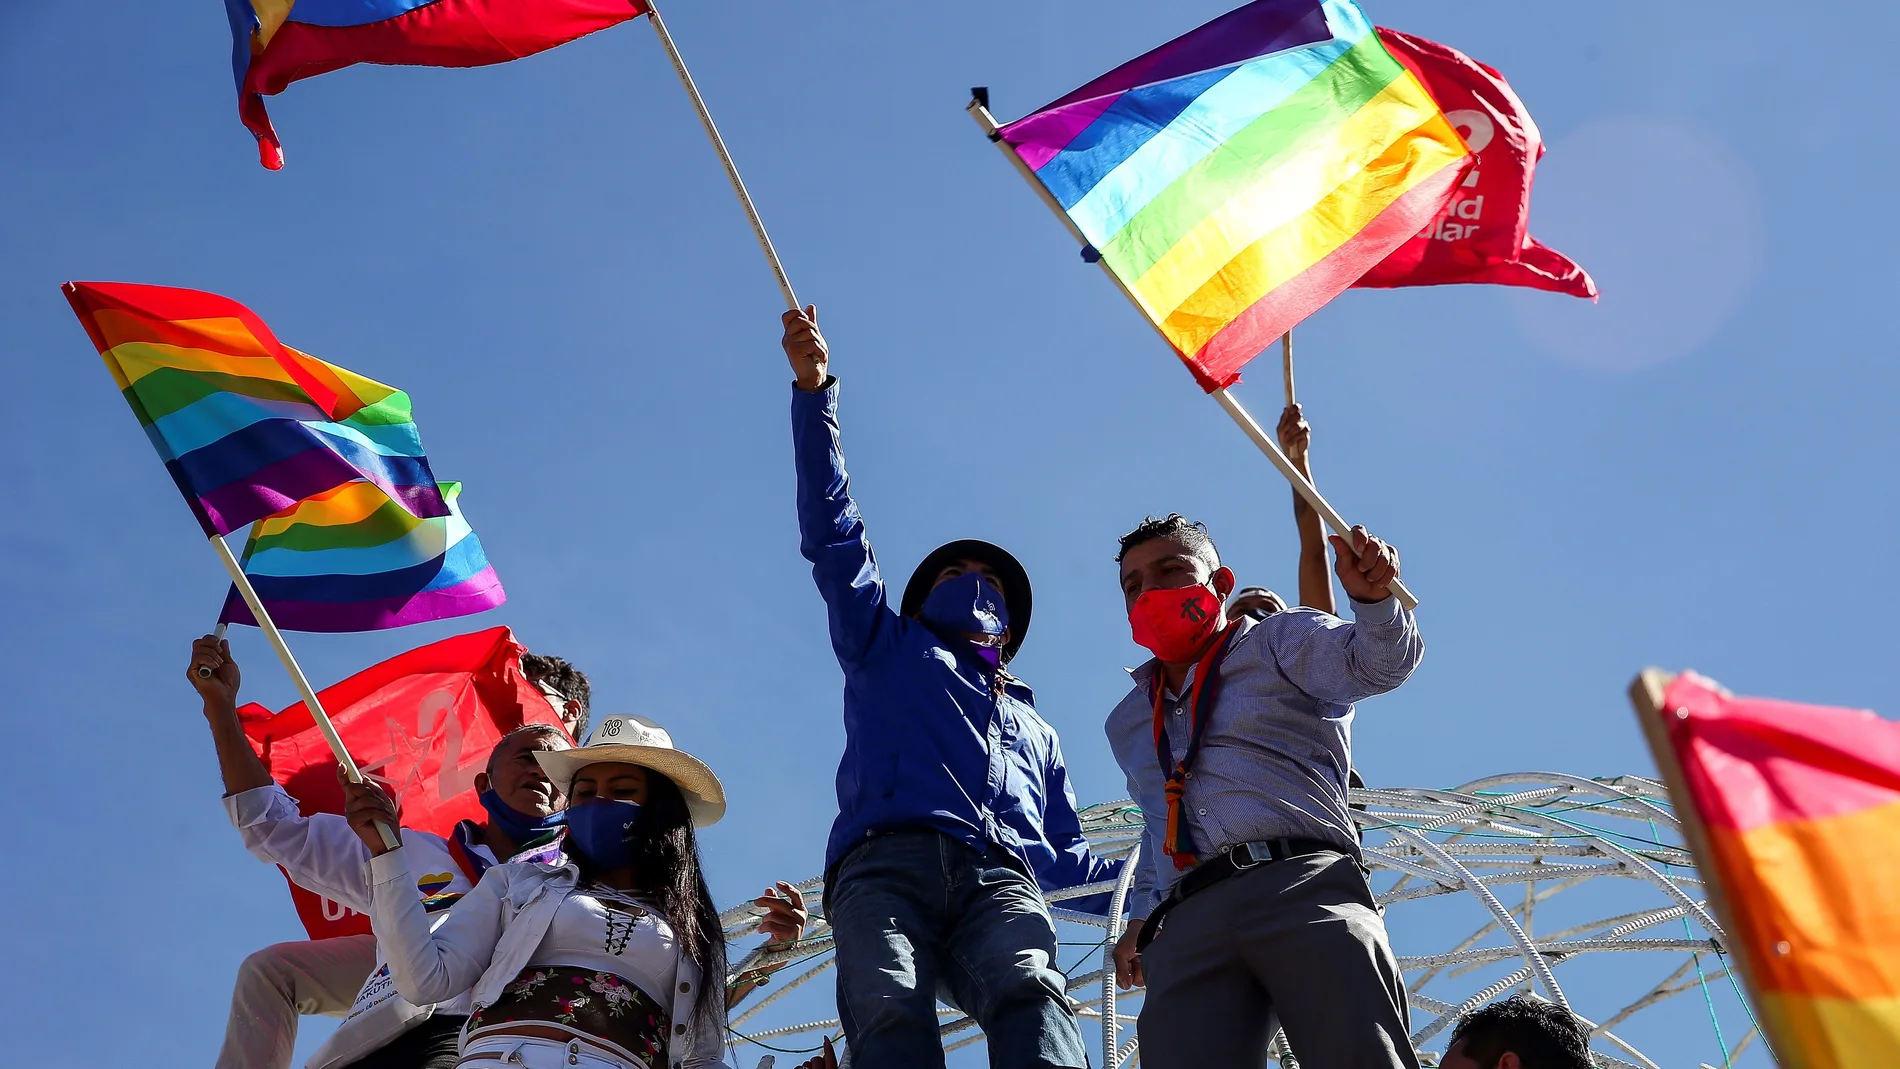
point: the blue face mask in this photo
(597, 830)
(966, 605)
(515, 824)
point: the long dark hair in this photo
(666, 869)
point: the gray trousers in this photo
(1298, 940)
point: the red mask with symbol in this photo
(1175, 625)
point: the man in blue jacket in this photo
(953, 803)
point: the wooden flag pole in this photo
(1286, 364)
(1300, 486)
(276, 638)
(980, 111)
(1647, 692)
(725, 157)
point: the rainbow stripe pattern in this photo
(1239, 177)
(1801, 806)
(353, 559)
(247, 426)
(276, 42)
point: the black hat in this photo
(1010, 570)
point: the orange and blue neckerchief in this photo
(1175, 842)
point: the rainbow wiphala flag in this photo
(351, 559)
(246, 425)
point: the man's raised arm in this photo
(1316, 578)
(830, 531)
(1341, 662)
(320, 853)
(242, 769)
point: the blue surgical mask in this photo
(966, 605)
(597, 830)
(523, 828)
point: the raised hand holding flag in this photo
(1239, 177)
(248, 426)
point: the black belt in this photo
(1233, 860)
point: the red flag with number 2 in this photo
(1483, 235)
(421, 724)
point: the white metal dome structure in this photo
(1574, 890)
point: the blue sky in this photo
(1694, 472)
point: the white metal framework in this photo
(1521, 882)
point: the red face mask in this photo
(1175, 625)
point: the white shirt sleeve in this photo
(432, 966)
(321, 852)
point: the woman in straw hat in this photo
(610, 959)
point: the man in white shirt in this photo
(322, 854)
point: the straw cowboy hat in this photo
(635, 740)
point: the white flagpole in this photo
(979, 110)
(204, 670)
(725, 157)
(276, 638)
(1286, 364)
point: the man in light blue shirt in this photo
(1250, 903)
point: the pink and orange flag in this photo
(1794, 815)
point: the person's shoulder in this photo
(428, 840)
(1296, 619)
(530, 873)
(1022, 692)
(1132, 710)
(1265, 639)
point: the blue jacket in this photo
(926, 745)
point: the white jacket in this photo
(321, 853)
(492, 934)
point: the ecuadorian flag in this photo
(276, 42)
(1237, 178)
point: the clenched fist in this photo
(805, 347)
(1366, 567)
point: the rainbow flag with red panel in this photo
(277, 42)
(1799, 811)
(1239, 177)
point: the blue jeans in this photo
(916, 913)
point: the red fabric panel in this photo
(1751, 762)
(421, 724)
(1482, 235)
(446, 33)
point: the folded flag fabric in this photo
(421, 724)
(1483, 235)
(1801, 808)
(248, 426)
(1233, 199)
(353, 559)
(277, 42)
